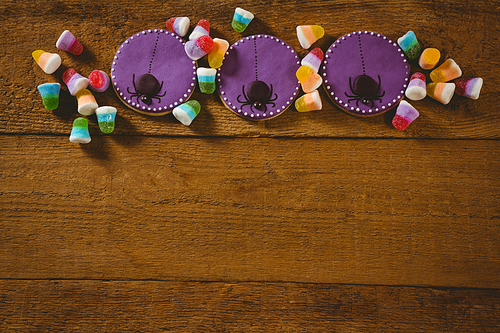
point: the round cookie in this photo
(257, 78)
(365, 73)
(151, 72)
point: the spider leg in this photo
(137, 98)
(133, 82)
(161, 85)
(245, 104)
(357, 103)
(270, 97)
(246, 98)
(350, 95)
(379, 88)
(159, 100)
(353, 99)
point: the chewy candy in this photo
(417, 89)
(86, 102)
(98, 81)
(308, 34)
(80, 132)
(309, 102)
(469, 88)
(179, 25)
(69, 43)
(409, 44)
(206, 79)
(448, 70)
(202, 28)
(50, 95)
(241, 19)
(441, 92)
(429, 58)
(405, 115)
(48, 62)
(195, 49)
(185, 113)
(106, 118)
(216, 56)
(309, 79)
(74, 81)
(313, 59)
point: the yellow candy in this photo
(429, 58)
(86, 102)
(309, 102)
(216, 56)
(449, 70)
(48, 62)
(309, 79)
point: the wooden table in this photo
(309, 222)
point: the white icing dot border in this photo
(136, 106)
(333, 48)
(269, 113)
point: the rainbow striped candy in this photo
(448, 70)
(308, 34)
(469, 88)
(429, 58)
(241, 19)
(106, 118)
(206, 79)
(80, 131)
(186, 112)
(309, 79)
(417, 89)
(441, 91)
(217, 54)
(48, 62)
(50, 95)
(179, 25)
(202, 28)
(409, 44)
(86, 102)
(313, 59)
(74, 81)
(69, 43)
(309, 102)
(195, 49)
(405, 115)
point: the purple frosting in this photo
(371, 54)
(257, 78)
(161, 54)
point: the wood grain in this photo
(463, 30)
(153, 306)
(315, 222)
(389, 212)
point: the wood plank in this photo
(153, 306)
(466, 31)
(385, 212)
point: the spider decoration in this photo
(147, 88)
(365, 89)
(258, 96)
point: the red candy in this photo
(400, 123)
(318, 53)
(68, 74)
(204, 24)
(418, 76)
(96, 79)
(206, 43)
(170, 24)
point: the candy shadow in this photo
(97, 148)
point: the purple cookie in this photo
(257, 78)
(365, 73)
(151, 72)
